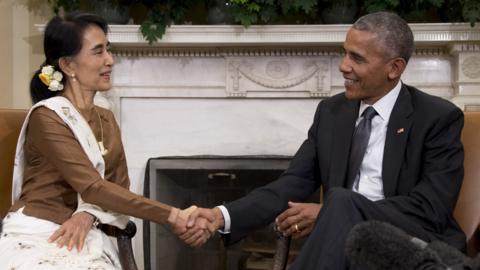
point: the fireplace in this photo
(208, 181)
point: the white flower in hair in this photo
(51, 78)
(57, 76)
(48, 70)
(54, 85)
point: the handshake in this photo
(195, 225)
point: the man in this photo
(382, 150)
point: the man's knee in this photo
(342, 199)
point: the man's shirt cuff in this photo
(226, 219)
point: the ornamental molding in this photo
(465, 47)
(246, 51)
(224, 52)
(471, 67)
(430, 51)
(295, 75)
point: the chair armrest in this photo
(282, 249)
(124, 242)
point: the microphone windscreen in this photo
(450, 255)
(378, 245)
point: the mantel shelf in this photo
(429, 34)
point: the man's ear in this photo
(397, 67)
(66, 65)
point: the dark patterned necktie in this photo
(359, 144)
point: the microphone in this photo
(376, 245)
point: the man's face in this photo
(365, 67)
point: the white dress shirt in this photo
(369, 181)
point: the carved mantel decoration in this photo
(471, 66)
(283, 76)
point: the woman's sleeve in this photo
(56, 142)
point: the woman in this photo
(70, 167)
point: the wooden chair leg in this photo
(125, 250)
(282, 249)
(124, 242)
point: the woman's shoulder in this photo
(44, 114)
(43, 120)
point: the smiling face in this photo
(368, 73)
(92, 66)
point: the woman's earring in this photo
(73, 77)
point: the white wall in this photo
(21, 49)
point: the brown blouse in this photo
(57, 168)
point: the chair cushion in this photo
(467, 211)
(10, 124)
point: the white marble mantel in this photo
(230, 35)
(228, 90)
(449, 50)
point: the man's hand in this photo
(298, 220)
(202, 224)
(73, 231)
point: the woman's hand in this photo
(73, 231)
(298, 220)
(194, 232)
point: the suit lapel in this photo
(398, 131)
(344, 126)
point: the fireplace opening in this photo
(208, 181)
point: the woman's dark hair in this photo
(63, 37)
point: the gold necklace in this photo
(103, 150)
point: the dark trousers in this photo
(343, 209)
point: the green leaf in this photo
(253, 7)
(246, 18)
(240, 2)
(268, 14)
(471, 11)
(152, 31)
(306, 5)
(286, 5)
(436, 3)
(393, 3)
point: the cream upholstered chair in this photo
(467, 210)
(10, 124)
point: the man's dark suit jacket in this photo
(422, 167)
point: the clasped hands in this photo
(195, 225)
